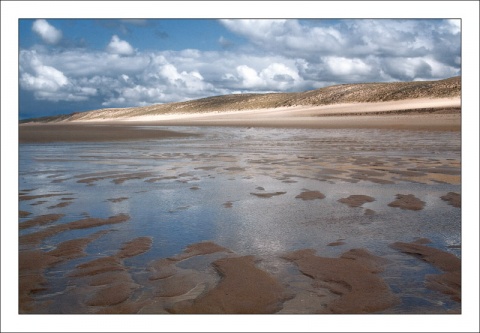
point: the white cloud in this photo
(39, 77)
(281, 55)
(346, 66)
(48, 82)
(46, 31)
(259, 29)
(454, 25)
(406, 69)
(278, 76)
(287, 37)
(118, 46)
(249, 77)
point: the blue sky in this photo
(70, 65)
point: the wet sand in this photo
(222, 281)
(356, 200)
(450, 281)
(407, 201)
(206, 277)
(72, 132)
(352, 277)
(422, 114)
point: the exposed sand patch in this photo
(435, 178)
(162, 268)
(117, 178)
(105, 282)
(243, 289)
(60, 205)
(366, 177)
(172, 284)
(135, 247)
(38, 203)
(31, 197)
(35, 260)
(157, 179)
(37, 237)
(139, 175)
(352, 276)
(112, 294)
(167, 283)
(40, 220)
(407, 201)
(200, 249)
(310, 195)
(74, 248)
(176, 285)
(22, 213)
(453, 199)
(107, 278)
(98, 266)
(32, 264)
(267, 195)
(356, 200)
(28, 285)
(228, 204)
(448, 283)
(114, 200)
(96, 174)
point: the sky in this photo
(72, 65)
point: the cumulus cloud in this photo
(39, 77)
(280, 55)
(249, 77)
(47, 32)
(454, 25)
(275, 77)
(342, 66)
(48, 82)
(118, 46)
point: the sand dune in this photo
(292, 109)
(440, 114)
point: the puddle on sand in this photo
(187, 190)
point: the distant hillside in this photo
(344, 93)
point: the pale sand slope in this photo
(351, 115)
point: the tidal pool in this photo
(258, 192)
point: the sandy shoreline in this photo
(351, 209)
(421, 114)
(441, 114)
(88, 132)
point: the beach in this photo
(420, 114)
(343, 209)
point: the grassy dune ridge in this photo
(337, 94)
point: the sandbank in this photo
(88, 132)
(441, 114)
(415, 114)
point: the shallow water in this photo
(187, 190)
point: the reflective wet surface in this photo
(241, 188)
